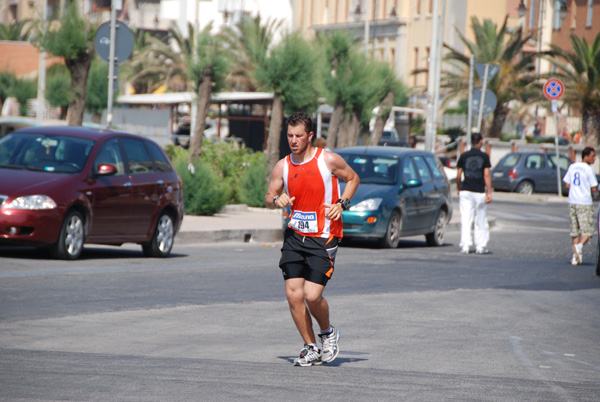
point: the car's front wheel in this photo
(162, 239)
(392, 234)
(436, 238)
(525, 187)
(71, 237)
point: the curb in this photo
(240, 235)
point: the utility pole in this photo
(430, 125)
(41, 97)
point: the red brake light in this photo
(513, 174)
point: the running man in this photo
(309, 176)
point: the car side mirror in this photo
(106, 170)
(413, 183)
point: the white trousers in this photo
(473, 209)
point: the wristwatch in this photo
(344, 202)
(275, 199)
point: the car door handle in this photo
(128, 184)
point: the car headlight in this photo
(367, 205)
(32, 202)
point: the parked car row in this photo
(62, 187)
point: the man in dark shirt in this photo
(474, 193)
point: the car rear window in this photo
(434, 166)
(509, 161)
(160, 160)
(137, 156)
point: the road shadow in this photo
(88, 253)
(336, 363)
(404, 244)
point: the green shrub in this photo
(507, 137)
(24, 90)
(203, 193)
(252, 186)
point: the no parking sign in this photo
(554, 89)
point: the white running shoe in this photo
(483, 250)
(574, 260)
(579, 253)
(465, 250)
(309, 356)
(329, 345)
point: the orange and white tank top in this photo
(313, 185)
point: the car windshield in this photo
(373, 169)
(44, 152)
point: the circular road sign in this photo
(489, 103)
(123, 42)
(554, 89)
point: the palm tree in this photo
(392, 93)
(338, 46)
(208, 67)
(18, 31)
(579, 71)
(73, 39)
(155, 63)
(502, 47)
(289, 72)
(250, 40)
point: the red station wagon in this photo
(61, 187)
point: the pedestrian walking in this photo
(309, 176)
(581, 182)
(474, 193)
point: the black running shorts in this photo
(311, 258)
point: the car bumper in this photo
(29, 227)
(363, 224)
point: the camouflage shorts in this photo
(582, 220)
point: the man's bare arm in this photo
(276, 187)
(339, 168)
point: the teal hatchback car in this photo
(402, 192)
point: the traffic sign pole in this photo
(111, 64)
(482, 99)
(553, 90)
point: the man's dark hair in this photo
(587, 151)
(475, 138)
(300, 118)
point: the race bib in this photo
(304, 222)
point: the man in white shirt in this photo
(581, 182)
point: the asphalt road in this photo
(211, 323)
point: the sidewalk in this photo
(240, 223)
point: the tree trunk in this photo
(384, 112)
(354, 128)
(334, 125)
(590, 120)
(274, 134)
(79, 69)
(204, 91)
(345, 135)
(500, 114)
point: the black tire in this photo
(525, 187)
(71, 237)
(436, 238)
(392, 234)
(162, 239)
